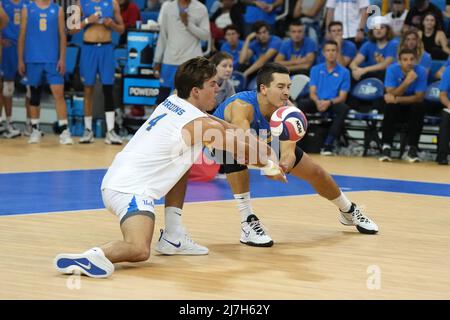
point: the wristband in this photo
(86, 21)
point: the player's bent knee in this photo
(142, 253)
(8, 89)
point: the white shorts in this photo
(125, 205)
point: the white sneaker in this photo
(356, 218)
(27, 130)
(112, 138)
(253, 233)
(35, 136)
(181, 244)
(88, 137)
(2, 127)
(11, 132)
(65, 137)
(92, 263)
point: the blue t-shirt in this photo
(13, 11)
(370, 49)
(329, 84)
(348, 50)
(426, 61)
(251, 97)
(233, 52)
(253, 14)
(445, 82)
(288, 50)
(42, 36)
(258, 50)
(395, 77)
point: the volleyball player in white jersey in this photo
(155, 163)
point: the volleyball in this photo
(288, 123)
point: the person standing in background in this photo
(183, 25)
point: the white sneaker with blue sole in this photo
(92, 263)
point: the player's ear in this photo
(263, 89)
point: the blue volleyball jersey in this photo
(42, 37)
(13, 10)
(105, 7)
(251, 97)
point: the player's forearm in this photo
(400, 90)
(199, 32)
(444, 99)
(243, 56)
(117, 27)
(409, 99)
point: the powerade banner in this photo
(141, 49)
(140, 90)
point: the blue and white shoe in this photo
(92, 263)
(179, 243)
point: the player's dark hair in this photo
(260, 24)
(219, 56)
(330, 42)
(231, 27)
(265, 74)
(193, 73)
(407, 51)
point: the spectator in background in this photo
(229, 13)
(444, 127)
(397, 16)
(297, 54)
(376, 54)
(130, 13)
(260, 10)
(97, 58)
(352, 14)
(232, 45)
(260, 47)
(328, 87)
(434, 39)
(224, 66)
(411, 40)
(417, 13)
(42, 22)
(405, 85)
(10, 24)
(386, 6)
(184, 24)
(346, 49)
(311, 15)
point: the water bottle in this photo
(99, 128)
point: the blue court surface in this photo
(52, 191)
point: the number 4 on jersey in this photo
(154, 121)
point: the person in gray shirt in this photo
(183, 25)
(224, 65)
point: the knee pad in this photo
(35, 98)
(108, 97)
(28, 92)
(8, 89)
(232, 168)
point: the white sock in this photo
(35, 122)
(88, 123)
(63, 122)
(8, 121)
(28, 121)
(172, 218)
(110, 119)
(342, 203)
(244, 205)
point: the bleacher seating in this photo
(149, 15)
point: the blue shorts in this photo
(97, 59)
(9, 62)
(167, 75)
(35, 73)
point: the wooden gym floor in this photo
(314, 257)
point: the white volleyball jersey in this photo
(156, 157)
